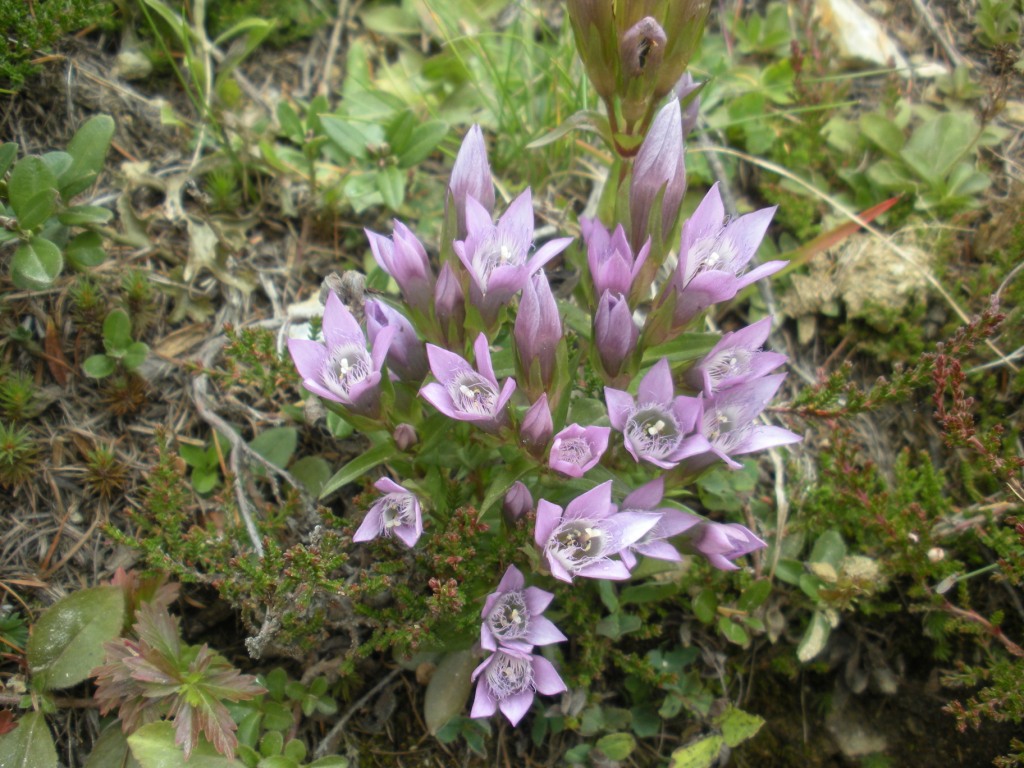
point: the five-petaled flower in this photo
(508, 680)
(397, 512)
(466, 394)
(721, 543)
(577, 449)
(736, 359)
(512, 616)
(341, 368)
(658, 426)
(581, 539)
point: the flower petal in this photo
(546, 678)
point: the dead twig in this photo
(330, 743)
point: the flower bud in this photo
(449, 304)
(615, 333)
(659, 165)
(405, 437)
(471, 175)
(538, 329)
(611, 262)
(518, 501)
(407, 357)
(404, 258)
(537, 427)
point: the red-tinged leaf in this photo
(55, 360)
(159, 630)
(834, 236)
(7, 721)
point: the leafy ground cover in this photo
(178, 518)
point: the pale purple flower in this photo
(407, 357)
(580, 540)
(404, 258)
(577, 449)
(341, 368)
(466, 394)
(691, 109)
(615, 333)
(517, 502)
(713, 257)
(721, 543)
(537, 426)
(405, 437)
(735, 359)
(659, 165)
(397, 512)
(537, 330)
(671, 522)
(497, 255)
(610, 257)
(512, 616)
(658, 427)
(730, 424)
(449, 305)
(508, 680)
(471, 177)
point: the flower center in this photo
(712, 253)
(575, 450)
(728, 364)
(653, 431)
(348, 364)
(510, 619)
(723, 429)
(508, 675)
(472, 393)
(578, 543)
(395, 510)
(496, 251)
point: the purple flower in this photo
(403, 257)
(657, 426)
(517, 502)
(691, 110)
(580, 540)
(508, 681)
(340, 368)
(397, 512)
(612, 266)
(537, 330)
(449, 305)
(471, 177)
(512, 616)
(730, 423)
(735, 359)
(406, 358)
(577, 449)
(615, 333)
(497, 256)
(671, 522)
(713, 257)
(463, 393)
(537, 426)
(659, 165)
(721, 543)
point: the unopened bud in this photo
(518, 501)
(405, 437)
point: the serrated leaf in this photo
(448, 689)
(737, 726)
(153, 746)
(67, 641)
(36, 264)
(111, 750)
(98, 366)
(30, 178)
(30, 745)
(88, 150)
(358, 467)
(700, 754)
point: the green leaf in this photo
(700, 754)
(939, 144)
(829, 548)
(111, 750)
(291, 125)
(205, 479)
(502, 480)
(737, 726)
(67, 641)
(448, 689)
(358, 467)
(36, 264)
(754, 595)
(8, 151)
(88, 149)
(30, 745)
(276, 445)
(80, 215)
(617, 746)
(349, 138)
(733, 632)
(883, 132)
(424, 141)
(616, 625)
(85, 250)
(391, 185)
(649, 592)
(584, 120)
(313, 472)
(37, 210)
(135, 355)
(338, 426)
(153, 746)
(117, 333)
(686, 347)
(705, 607)
(30, 178)
(99, 366)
